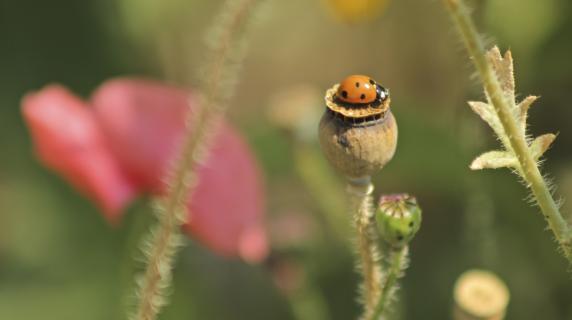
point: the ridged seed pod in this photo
(398, 219)
(358, 133)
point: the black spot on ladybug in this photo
(344, 94)
(372, 82)
(357, 84)
(362, 96)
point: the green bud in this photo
(398, 219)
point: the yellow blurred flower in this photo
(354, 11)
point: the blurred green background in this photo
(60, 260)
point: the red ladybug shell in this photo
(357, 89)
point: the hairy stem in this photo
(361, 203)
(166, 238)
(516, 138)
(397, 262)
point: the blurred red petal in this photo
(145, 123)
(68, 140)
(226, 210)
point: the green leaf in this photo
(504, 70)
(523, 107)
(494, 160)
(487, 113)
(541, 144)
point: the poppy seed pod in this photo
(398, 219)
(358, 133)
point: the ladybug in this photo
(358, 98)
(358, 89)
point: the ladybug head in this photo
(381, 93)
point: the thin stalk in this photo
(361, 203)
(517, 140)
(324, 188)
(166, 238)
(397, 262)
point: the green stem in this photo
(367, 239)
(397, 262)
(325, 189)
(516, 138)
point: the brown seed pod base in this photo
(358, 150)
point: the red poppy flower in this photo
(121, 144)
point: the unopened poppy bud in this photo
(398, 219)
(358, 133)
